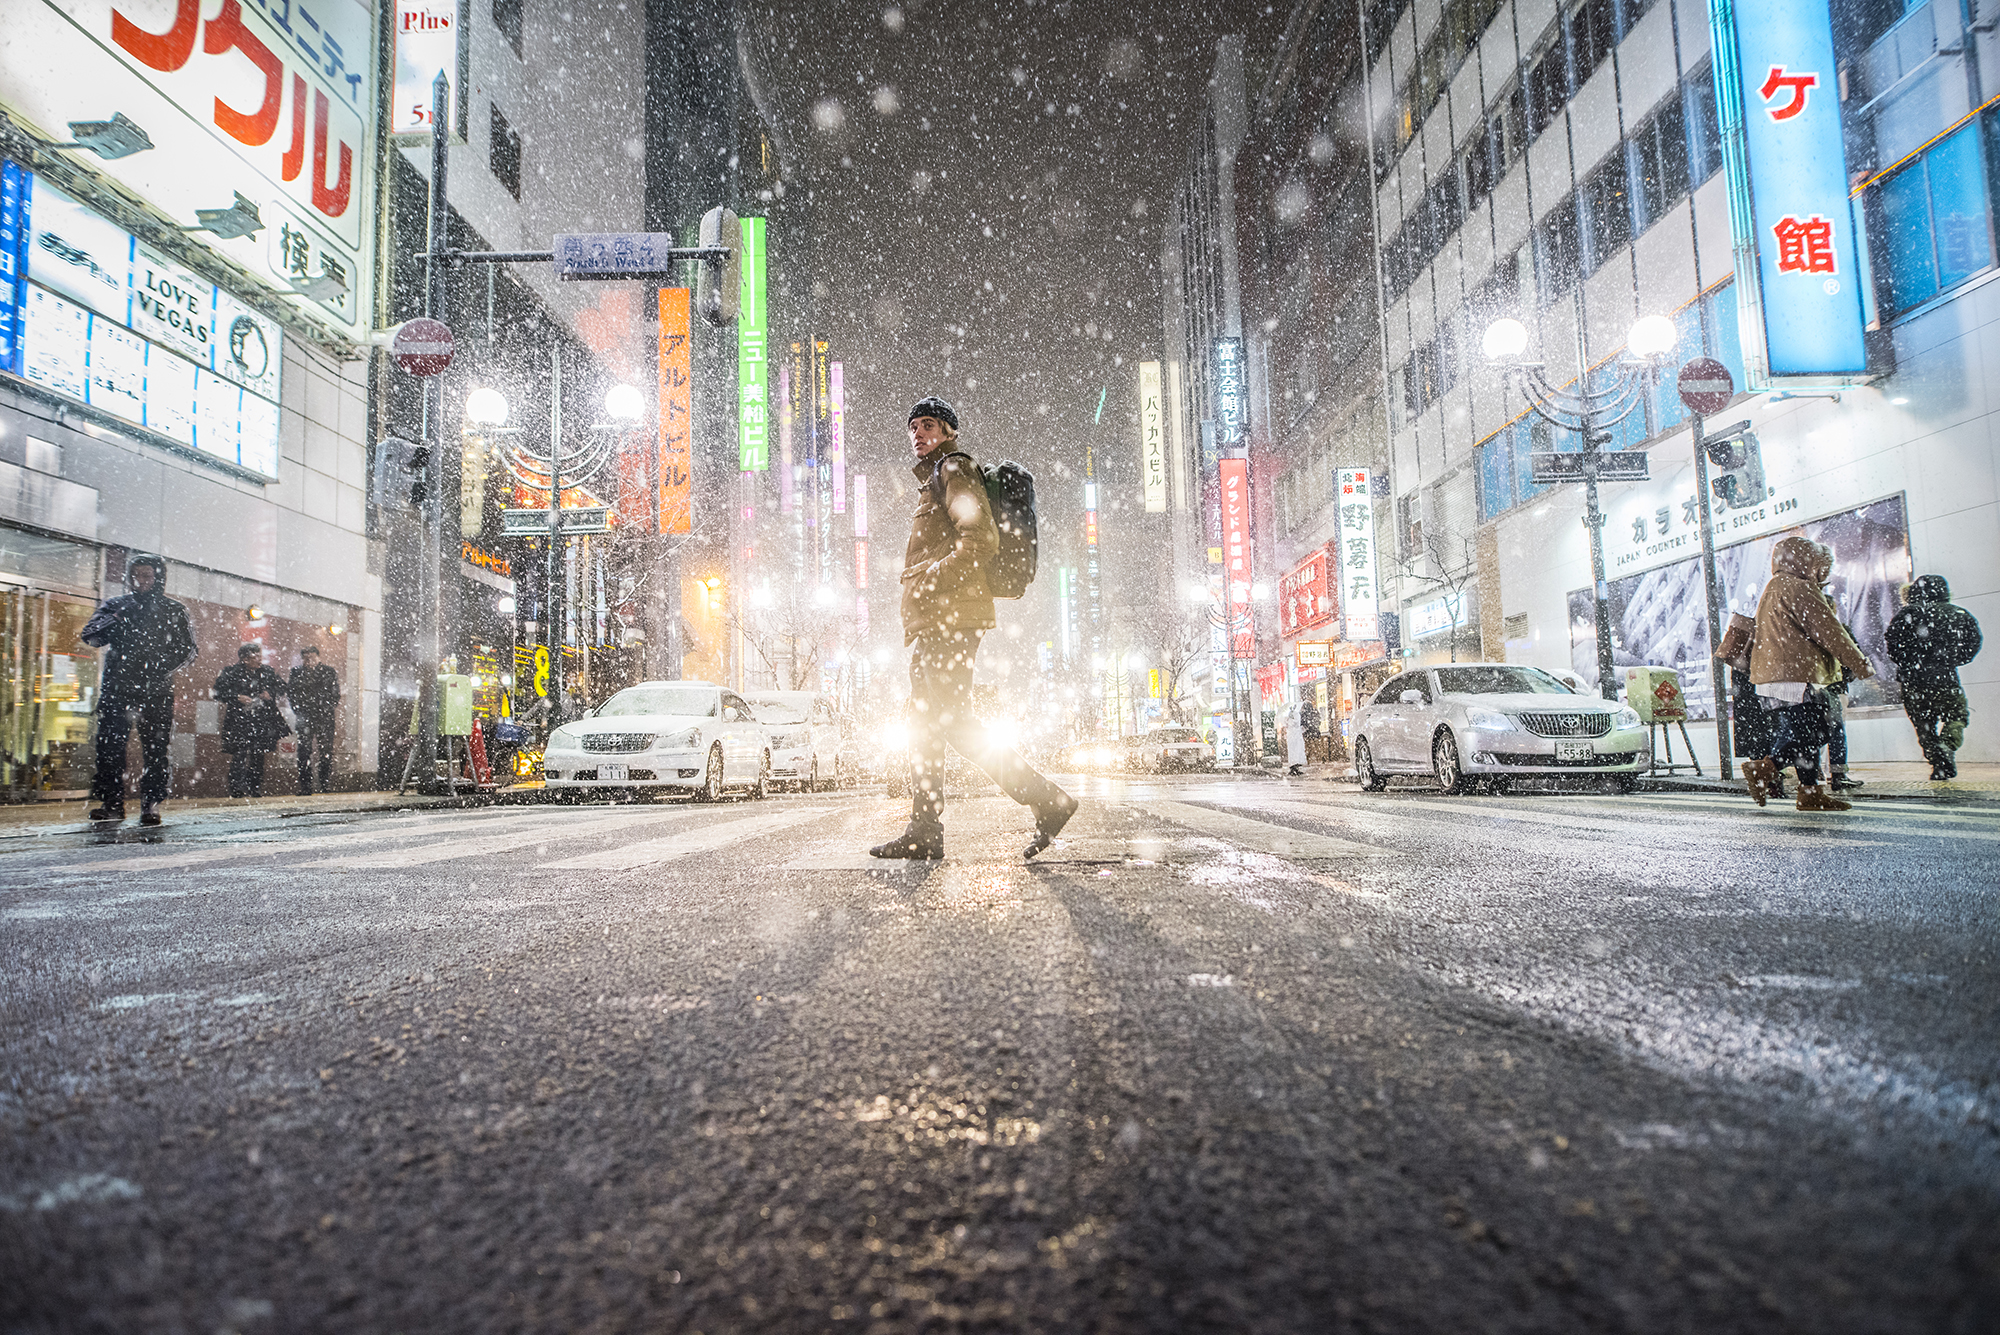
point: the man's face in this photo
(927, 436)
(143, 578)
(310, 658)
(250, 657)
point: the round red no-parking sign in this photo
(1706, 386)
(422, 347)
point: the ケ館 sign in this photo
(270, 99)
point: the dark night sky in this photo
(988, 186)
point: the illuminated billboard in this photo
(753, 363)
(1152, 438)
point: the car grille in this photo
(616, 743)
(1593, 724)
(1535, 760)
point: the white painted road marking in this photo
(488, 845)
(706, 839)
(1260, 836)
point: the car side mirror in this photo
(1411, 697)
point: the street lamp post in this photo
(1589, 413)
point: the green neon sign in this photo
(753, 367)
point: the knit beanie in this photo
(933, 406)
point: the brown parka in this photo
(1799, 636)
(952, 540)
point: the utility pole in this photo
(1723, 744)
(429, 572)
(553, 567)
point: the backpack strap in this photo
(937, 472)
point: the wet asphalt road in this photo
(1237, 1055)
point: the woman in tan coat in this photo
(1799, 651)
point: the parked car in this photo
(1481, 723)
(1165, 749)
(689, 735)
(809, 745)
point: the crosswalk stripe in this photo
(1569, 824)
(488, 845)
(1864, 808)
(706, 839)
(1260, 836)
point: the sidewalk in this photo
(31, 819)
(1977, 782)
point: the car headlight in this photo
(565, 739)
(1489, 720)
(677, 741)
(1626, 717)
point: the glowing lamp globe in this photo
(1505, 340)
(487, 407)
(1652, 336)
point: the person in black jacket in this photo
(146, 638)
(1929, 640)
(314, 689)
(251, 723)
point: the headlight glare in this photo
(675, 741)
(1626, 717)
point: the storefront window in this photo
(1933, 219)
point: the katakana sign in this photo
(1152, 438)
(676, 400)
(1231, 415)
(1801, 299)
(1236, 561)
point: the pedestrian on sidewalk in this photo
(146, 638)
(1798, 651)
(314, 690)
(1295, 741)
(1836, 729)
(251, 723)
(1930, 639)
(947, 607)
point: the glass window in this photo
(1704, 138)
(1660, 161)
(1606, 211)
(773, 709)
(1548, 89)
(682, 701)
(503, 153)
(1904, 212)
(1558, 250)
(1956, 172)
(1592, 34)
(1498, 681)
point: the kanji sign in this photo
(1152, 438)
(1304, 600)
(267, 100)
(1236, 561)
(676, 400)
(1230, 416)
(422, 347)
(1791, 218)
(1354, 550)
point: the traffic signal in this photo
(1739, 480)
(718, 286)
(394, 455)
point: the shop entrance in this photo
(48, 693)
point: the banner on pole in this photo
(676, 401)
(753, 367)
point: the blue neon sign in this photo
(1798, 272)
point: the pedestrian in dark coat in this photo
(314, 690)
(1798, 651)
(1930, 639)
(947, 608)
(146, 638)
(251, 723)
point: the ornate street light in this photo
(1587, 412)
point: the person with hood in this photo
(1798, 651)
(1930, 638)
(146, 638)
(947, 608)
(251, 723)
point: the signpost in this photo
(1706, 387)
(575, 519)
(1556, 466)
(422, 347)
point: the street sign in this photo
(1554, 467)
(613, 254)
(1706, 386)
(422, 347)
(575, 519)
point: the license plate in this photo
(1575, 751)
(611, 773)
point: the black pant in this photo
(1801, 732)
(1939, 716)
(941, 713)
(315, 734)
(246, 773)
(114, 729)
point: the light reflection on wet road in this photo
(1242, 1054)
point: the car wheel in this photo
(1444, 760)
(711, 786)
(1364, 768)
(762, 789)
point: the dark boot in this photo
(1050, 817)
(107, 812)
(924, 843)
(1762, 776)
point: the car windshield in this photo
(777, 711)
(1499, 681)
(686, 701)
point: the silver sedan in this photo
(1480, 723)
